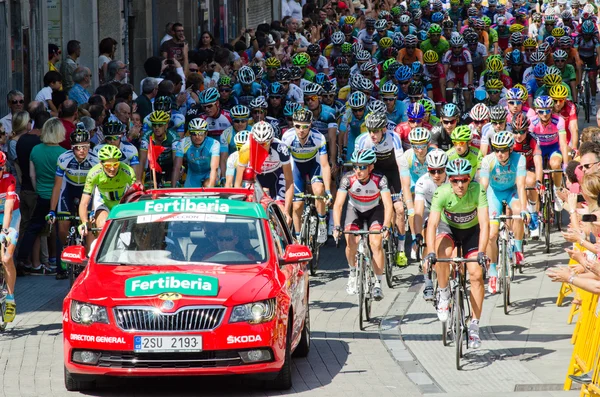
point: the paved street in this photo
(401, 354)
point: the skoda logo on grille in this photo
(168, 299)
(167, 305)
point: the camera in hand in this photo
(589, 218)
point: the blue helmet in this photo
(415, 111)
(276, 89)
(363, 156)
(543, 102)
(539, 70)
(516, 57)
(404, 73)
(422, 35)
(320, 78)
(514, 94)
(437, 17)
(290, 108)
(210, 95)
(417, 67)
(458, 166)
(588, 27)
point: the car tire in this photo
(283, 381)
(304, 345)
(72, 383)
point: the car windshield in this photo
(180, 239)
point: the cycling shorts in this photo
(453, 77)
(589, 62)
(195, 180)
(495, 199)
(66, 201)
(275, 182)
(551, 150)
(393, 178)
(468, 238)
(13, 228)
(355, 220)
(300, 171)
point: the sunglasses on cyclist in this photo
(415, 120)
(497, 121)
(257, 111)
(404, 82)
(113, 164)
(392, 99)
(493, 92)
(274, 96)
(210, 105)
(520, 132)
(81, 147)
(358, 110)
(197, 133)
(302, 126)
(479, 122)
(311, 98)
(225, 89)
(239, 121)
(500, 150)
(449, 121)
(117, 137)
(361, 167)
(155, 125)
(419, 146)
(515, 103)
(543, 111)
(436, 171)
(460, 143)
(459, 180)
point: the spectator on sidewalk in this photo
(68, 118)
(21, 125)
(53, 57)
(291, 8)
(83, 79)
(42, 169)
(52, 83)
(107, 48)
(70, 64)
(177, 47)
(16, 103)
(144, 101)
(116, 72)
(168, 33)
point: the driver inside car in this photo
(225, 239)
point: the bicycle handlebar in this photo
(551, 171)
(310, 196)
(457, 259)
(505, 217)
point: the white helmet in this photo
(437, 158)
(263, 132)
(419, 135)
(198, 124)
(480, 112)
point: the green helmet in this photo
(395, 11)
(346, 48)
(301, 59)
(458, 167)
(434, 28)
(225, 81)
(487, 21)
(387, 64)
(428, 104)
(108, 152)
(462, 133)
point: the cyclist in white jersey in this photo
(424, 189)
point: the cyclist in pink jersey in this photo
(550, 131)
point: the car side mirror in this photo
(74, 254)
(295, 253)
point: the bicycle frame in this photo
(308, 228)
(505, 258)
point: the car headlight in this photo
(254, 313)
(86, 313)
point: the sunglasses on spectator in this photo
(197, 133)
(361, 167)
(543, 111)
(501, 150)
(15, 101)
(302, 126)
(436, 171)
(112, 164)
(449, 121)
(459, 180)
(581, 167)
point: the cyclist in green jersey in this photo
(109, 180)
(461, 138)
(459, 214)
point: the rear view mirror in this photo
(74, 254)
(295, 253)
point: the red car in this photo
(188, 282)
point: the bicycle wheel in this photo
(547, 216)
(389, 262)
(505, 275)
(368, 290)
(587, 101)
(458, 323)
(314, 263)
(500, 266)
(360, 284)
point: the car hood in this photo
(223, 284)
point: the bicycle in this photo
(585, 96)
(308, 230)
(547, 200)
(459, 306)
(3, 293)
(506, 258)
(389, 248)
(458, 96)
(73, 238)
(365, 277)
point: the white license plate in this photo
(147, 344)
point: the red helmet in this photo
(2, 159)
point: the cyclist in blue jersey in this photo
(247, 88)
(239, 115)
(352, 124)
(323, 120)
(502, 175)
(308, 152)
(413, 165)
(176, 121)
(201, 154)
(396, 110)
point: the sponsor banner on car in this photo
(182, 283)
(181, 217)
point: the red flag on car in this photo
(154, 152)
(258, 155)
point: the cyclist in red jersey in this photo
(529, 146)
(10, 218)
(568, 111)
(458, 66)
(435, 71)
